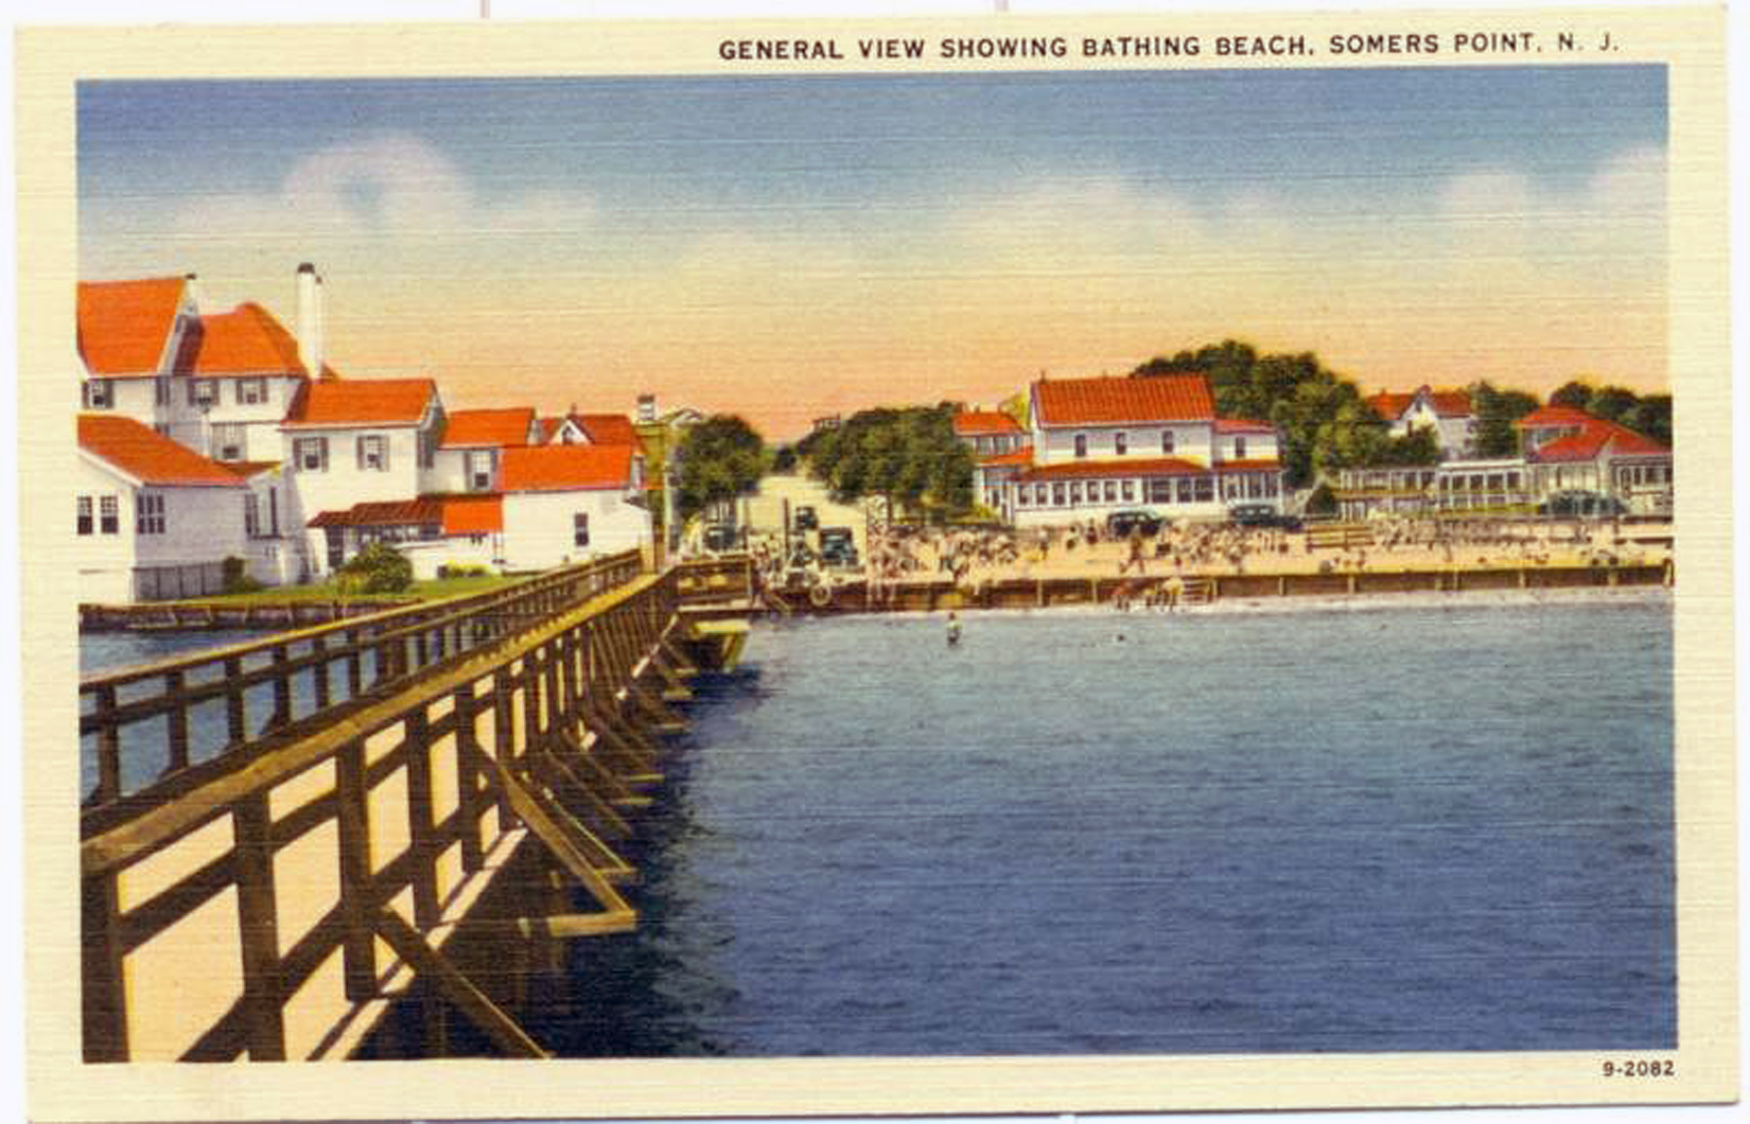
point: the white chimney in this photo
(310, 319)
(647, 407)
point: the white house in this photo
(1447, 412)
(354, 442)
(588, 429)
(567, 503)
(154, 520)
(1107, 444)
(1567, 449)
(131, 336)
(431, 531)
(471, 450)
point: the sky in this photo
(790, 247)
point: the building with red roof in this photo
(1102, 445)
(1569, 450)
(565, 503)
(153, 519)
(1447, 412)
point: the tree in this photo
(1575, 394)
(720, 458)
(1496, 411)
(1650, 416)
(909, 456)
(1611, 403)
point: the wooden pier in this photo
(399, 810)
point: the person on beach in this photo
(953, 628)
(1135, 553)
(1175, 591)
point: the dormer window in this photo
(99, 394)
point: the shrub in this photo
(378, 568)
(236, 576)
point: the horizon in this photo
(790, 248)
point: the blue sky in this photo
(797, 245)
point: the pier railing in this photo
(155, 729)
(275, 908)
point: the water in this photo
(1428, 828)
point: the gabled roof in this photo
(1596, 437)
(564, 468)
(1243, 425)
(1552, 416)
(1393, 405)
(1114, 469)
(148, 456)
(337, 403)
(123, 326)
(480, 429)
(1118, 401)
(245, 341)
(984, 423)
(597, 429)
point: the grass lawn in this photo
(432, 590)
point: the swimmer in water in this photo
(953, 628)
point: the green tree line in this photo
(907, 455)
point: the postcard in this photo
(1096, 564)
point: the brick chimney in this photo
(310, 319)
(647, 407)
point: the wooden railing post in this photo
(103, 989)
(282, 689)
(109, 751)
(236, 713)
(258, 929)
(468, 770)
(177, 758)
(503, 740)
(319, 671)
(353, 824)
(421, 823)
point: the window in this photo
(1120, 442)
(427, 442)
(480, 471)
(1081, 444)
(149, 518)
(373, 453)
(580, 529)
(1166, 440)
(202, 392)
(1203, 489)
(1129, 490)
(273, 512)
(1075, 492)
(1160, 491)
(109, 515)
(161, 390)
(1057, 495)
(1239, 448)
(227, 442)
(85, 515)
(251, 516)
(251, 392)
(1184, 489)
(1111, 491)
(1022, 496)
(99, 394)
(1039, 494)
(310, 454)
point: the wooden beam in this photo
(427, 962)
(549, 828)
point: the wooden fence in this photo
(270, 902)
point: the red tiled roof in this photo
(472, 429)
(563, 468)
(550, 428)
(333, 402)
(1250, 465)
(1018, 458)
(982, 423)
(124, 325)
(1597, 437)
(473, 515)
(1451, 403)
(149, 456)
(1242, 425)
(383, 513)
(245, 341)
(1116, 469)
(607, 429)
(1392, 405)
(1115, 401)
(1554, 415)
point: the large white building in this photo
(303, 468)
(1103, 445)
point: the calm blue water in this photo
(1404, 829)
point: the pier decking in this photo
(404, 816)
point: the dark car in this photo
(1582, 504)
(1262, 515)
(837, 546)
(720, 537)
(1120, 524)
(806, 520)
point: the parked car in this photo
(837, 546)
(1262, 515)
(1120, 524)
(1584, 504)
(806, 520)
